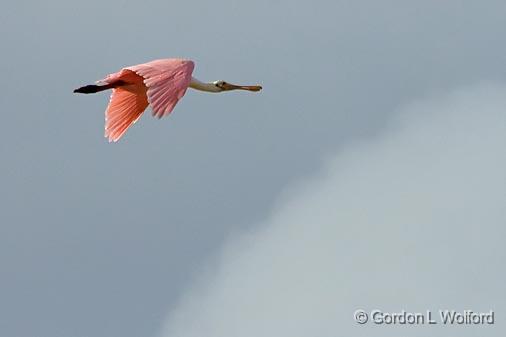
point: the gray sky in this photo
(101, 239)
(412, 220)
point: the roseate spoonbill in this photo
(159, 83)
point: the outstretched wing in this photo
(166, 81)
(125, 107)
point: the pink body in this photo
(159, 83)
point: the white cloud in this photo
(414, 219)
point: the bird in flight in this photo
(159, 83)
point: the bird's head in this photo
(224, 86)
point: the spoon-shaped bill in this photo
(228, 86)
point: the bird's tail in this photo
(93, 88)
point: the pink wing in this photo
(166, 81)
(126, 105)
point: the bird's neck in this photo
(209, 87)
